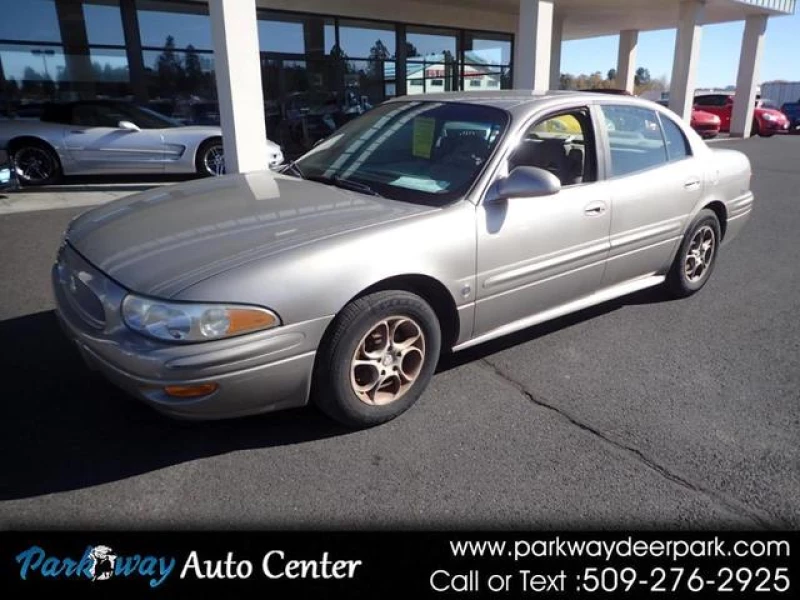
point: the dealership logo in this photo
(98, 563)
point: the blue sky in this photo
(719, 53)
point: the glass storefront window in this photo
(32, 73)
(493, 49)
(185, 24)
(103, 23)
(40, 23)
(36, 74)
(436, 73)
(426, 41)
(177, 76)
(364, 39)
(296, 34)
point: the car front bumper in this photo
(775, 126)
(255, 373)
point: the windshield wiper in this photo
(292, 166)
(347, 184)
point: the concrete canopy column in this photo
(237, 65)
(747, 79)
(626, 59)
(555, 53)
(687, 50)
(533, 45)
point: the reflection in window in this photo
(425, 41)
(635, 139)
(185, 24)
(175, 74)
(493, 49)
(103, 23)
(363, 39)
(33, 73)
(435, 73)
(295, 34)
(40, 23)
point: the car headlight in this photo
(185, 322)
(769, 117)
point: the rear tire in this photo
(377, 359)
(210, 160)
(696, 256)
(36, 163)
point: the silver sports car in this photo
(107, 137)
(429, 224)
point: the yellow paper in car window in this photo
(423, 137)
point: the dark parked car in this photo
(792, 112)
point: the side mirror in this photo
(128, 126)
(524, 182)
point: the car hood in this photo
(162, 241)
(771, 111)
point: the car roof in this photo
(518, 102)
(504, 99)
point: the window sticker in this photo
(424, 129)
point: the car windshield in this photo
(768, 104)
(146, 118)
(417, 151)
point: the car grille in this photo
(706, 127)
(80, 296)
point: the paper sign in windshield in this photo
(424, 128)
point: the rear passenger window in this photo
(634, 138)
(677, 145)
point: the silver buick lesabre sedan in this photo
(102, 137)
(429, 224)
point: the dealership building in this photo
(291, 68)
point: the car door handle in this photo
(692, 184)
(594, 209)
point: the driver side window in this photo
(562, 143)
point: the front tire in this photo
(377, 359)
(696, 256)
(210, 160)
(36, 163)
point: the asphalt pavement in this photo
(640, 413)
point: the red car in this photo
(767, 118)
(704, 123)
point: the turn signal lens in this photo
(190, 391)
(242, 320)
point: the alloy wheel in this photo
(387, 361)
(214, 160)
(34, 165)
(700, 254)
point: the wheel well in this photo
(722, 214)
(15, 143)
(430, 290)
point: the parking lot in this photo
(639, 413)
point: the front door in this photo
(535, 254)
(97, 144)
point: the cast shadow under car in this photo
(64, 427)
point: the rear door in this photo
(655, 184)
(97, 144)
